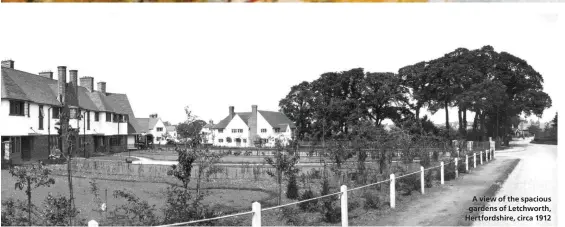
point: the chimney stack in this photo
(62, 83)
(252, 122)
(74, 77)
(46, 74)
(102, 87)
(87, 82)
(232, 113)
(8, 64)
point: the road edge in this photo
(490, 192)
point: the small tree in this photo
(31, 177)
(183, 170)
(284, 164)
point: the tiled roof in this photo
(275, 119)
(223, 123)
(147, 123)
(25, 86)
(171, 128)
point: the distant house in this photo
(172, 132)
(154, 126)
(249, 129)
(31, 108)
(207, 134)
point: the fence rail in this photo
(256, 206)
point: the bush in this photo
(292, 216)
(329, 211)
(408, 184)
(372, 200)
(461, 166)
(180, 206)
(133, 212)
(237, 153)
(292, 188)
(57, 211)
(449, 171)
(14, 213)
(310, 205)
(428, 179)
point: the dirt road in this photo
(443, 205)
(535, 176)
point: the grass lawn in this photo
(223, 198)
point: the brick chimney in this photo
(74, 77)
(102, 87)
(47, 74)
(87, 82)
(153, 115)
(252, 123)
(8, 64)
(232, 113)
(62, 83)
(73, 74)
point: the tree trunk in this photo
(460, 120)
(446, 115)
(280, 187)
(28, 192)
(465, 121)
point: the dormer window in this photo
(277, 130)
(220, 130)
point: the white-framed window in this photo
(277, 130)
(263, 130)
(220, 140)
(220, 130)
(159, 129)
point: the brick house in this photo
(31, 106)
(246, 129)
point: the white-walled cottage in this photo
(250, 129)
(154, 126)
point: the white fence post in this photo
(441, 164)
(256, 221)
(92, 223)
(422, 179)
(467, 163)
(481, 156)
(392, 191)
(474, 160)
(456, 169)
(344, 219)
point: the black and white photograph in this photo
(280, 114)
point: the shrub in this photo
(292, 188)
(428, 179)
(292, 216)
(133, 212)
(58, 210)
(449, 171)
(237, 153)
(408, 184)
(180, 206)
(461, 166)
(329, 211)
(372, 200)
(310, 205)
(14, 213)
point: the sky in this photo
(212, 56)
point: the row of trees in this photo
(496, 86)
